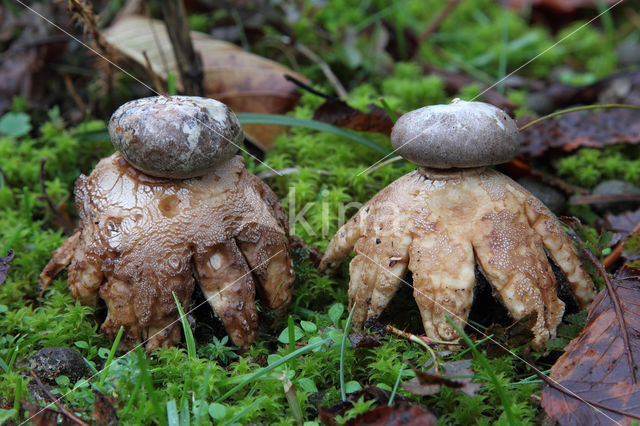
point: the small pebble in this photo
(175, 137)
(49, 363)
(551, 197)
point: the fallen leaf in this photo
(622, 223)
(5, 263)
(600, 366)
(368, 393)
(362, 340)
(430, 383)
(398, 414)
(242, 80)
(582, 129)
(339, 113)
(104, 413)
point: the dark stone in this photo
(49, 363)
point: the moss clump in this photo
(588, 166)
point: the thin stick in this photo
(61, 407)
(326, 70)
(188, 60)
(157, 82)
(422, 341)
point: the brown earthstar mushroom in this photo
(453, 212)
(143, 237)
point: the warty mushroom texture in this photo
(175, 202)
(451, 213)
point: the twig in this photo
(437, 21)
(326, 70)
(570, 393)
(66, 225)
(422, 341)
(56, 401)
(74, 94)
(307, 87)
(605, 198)
(616, 304)
(188, 60)
(157, 82)
(617, 251)
(84, 12)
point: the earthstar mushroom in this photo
(142, 237)
(450, 213)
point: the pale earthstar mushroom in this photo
(202, 217)
(453, 212)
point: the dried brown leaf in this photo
(104, 413)
(623, 222)
(431, 382)
(340, 114)
(5, 263)
(398, 414)
(598, 366)
(582, 129)
(242, 80)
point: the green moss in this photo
(588, 166)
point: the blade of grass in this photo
(185, 416)
(244, 412)
(502, 393)
(112, 352)
(17, 396)
(172, 413)
(387, 108)
(171, 83)
(145, 376)
(343, 392)
(282, 120)
(395, 387)
(580, 108)
(14, 354)
(186, 328)
(292, 341)
(271, 367)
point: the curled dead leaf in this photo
(431, 382)
(596, 379)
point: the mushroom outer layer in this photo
(141, 237)
(175, 137)
(437, 224)
(459, 134)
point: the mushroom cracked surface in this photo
(142, 238)
(438, 222)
